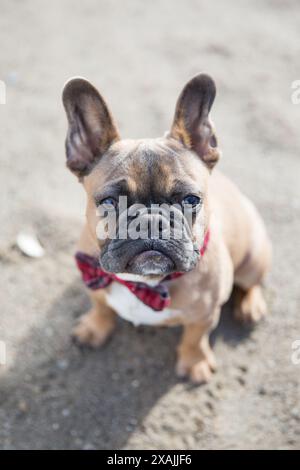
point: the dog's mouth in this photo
(149, 257)
(150, 262)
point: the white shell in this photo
(30, 245)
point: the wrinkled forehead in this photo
(147, 169)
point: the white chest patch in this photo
(129, 307)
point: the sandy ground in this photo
(139, 54)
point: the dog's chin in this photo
(150, 263)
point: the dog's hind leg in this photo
(250, 305)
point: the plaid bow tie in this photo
(156, 297)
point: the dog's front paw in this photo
(196, 367)
(198, 373)
(93, 329)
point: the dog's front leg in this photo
(196, 359)
(97, 325)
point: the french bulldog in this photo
(158, 280)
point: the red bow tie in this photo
(156, 297)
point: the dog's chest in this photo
(129, 307)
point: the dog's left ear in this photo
(191, 124)
(91, 127)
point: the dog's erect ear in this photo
(191, 123)
(91, 127)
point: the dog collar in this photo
(156, 297)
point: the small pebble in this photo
(262, 391)
(209, 405)
(135, 383)
(62, 364)
(241, 380)
(65, 413)
(23, 406)
(295, 412)
(88, 446)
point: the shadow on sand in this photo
(78, 398)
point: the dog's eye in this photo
(108, 203)
(191, 200)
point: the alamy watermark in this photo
(2, 92)
(2, 353)
(159, 221)
(295, 357)
(295, 96)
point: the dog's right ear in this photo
(91, 128)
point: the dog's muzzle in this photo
(164, 245)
